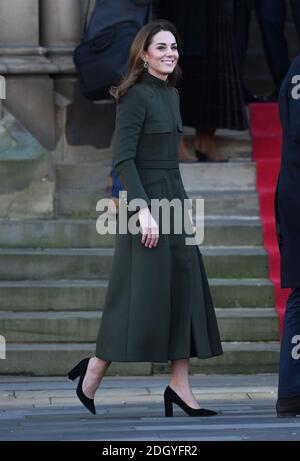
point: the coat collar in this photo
(147, 77)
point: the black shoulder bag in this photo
(102, 61)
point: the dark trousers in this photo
(289, 369)
(271, 15)
(242, 21)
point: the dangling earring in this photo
(146, 65)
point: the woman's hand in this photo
(150, 230)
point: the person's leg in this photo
(180, 383)
(289, 368)
(241, 25)
(205, 142)
(95, 371)
(271, 15)
(183, 154)
(242, 19)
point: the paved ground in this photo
(131, 408)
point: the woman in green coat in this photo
(158, 305)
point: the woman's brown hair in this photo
(141, 43)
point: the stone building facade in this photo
(43, 109)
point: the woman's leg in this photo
(205, 141)
(95, 371)
(180, 382)
(183, 154)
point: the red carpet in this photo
(266, 139)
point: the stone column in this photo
(19, 23)
(61, 24)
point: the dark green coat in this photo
(158, 305)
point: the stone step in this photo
(228, 203)
(230, 231)
(259, 324)
(76, 233)
(82, 203)
(248, 324)
(237, 137)
(238, 357)
(76, 295)
(94, 263)
(90, 154)
(234, 145)
(241, 155)
(81, 175)
(57, 359)
(219, 176)
(196, 176)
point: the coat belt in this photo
(163, 163)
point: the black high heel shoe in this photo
(202, 157)
(171, 397)
(79, 371)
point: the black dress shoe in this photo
(288, 407)
(171, 397)
(79, 371)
